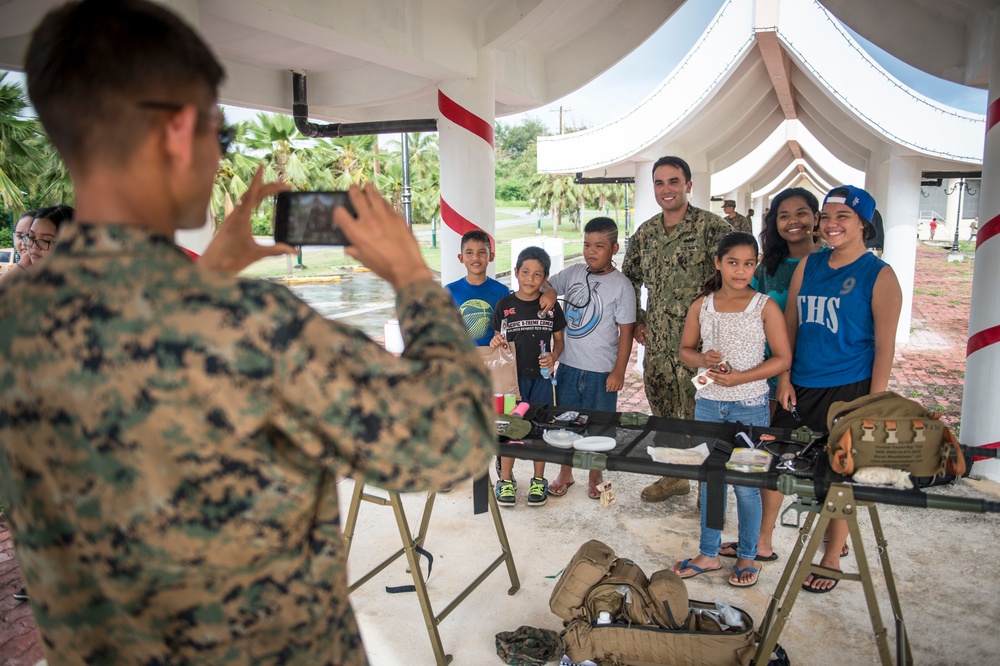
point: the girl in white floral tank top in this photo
(725, 332)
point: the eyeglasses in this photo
(23, 237)
(227, 132)
(40, 243)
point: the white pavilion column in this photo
(645, 201)
(467, 109)
(980, 417)
(701, 190)
(899, 213)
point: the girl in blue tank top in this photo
(842, 311)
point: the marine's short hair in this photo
(89, 65)
(676, 162)
(536, 253)
(602, 225)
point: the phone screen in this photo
(306, 218)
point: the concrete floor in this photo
(950, 599)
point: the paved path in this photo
(930, 369)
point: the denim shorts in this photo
(753, 411)
(583, 389)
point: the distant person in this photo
(476, 294)
(737, 221)
(537, 334)
(600, 319)
(934, 226)
(41, 236)
(731, 322)
(842, 312)
(171, 436)
(21, 229)
(973, 229)
(671, 254)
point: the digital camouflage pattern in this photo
(740, 223)
(673, 266)
(171, 442)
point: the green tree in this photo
(236, 170)
(21, 161)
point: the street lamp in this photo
(963, 187)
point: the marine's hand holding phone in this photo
(234, 247)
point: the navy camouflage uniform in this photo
(673, 266)
(740, 223)
(171, 442)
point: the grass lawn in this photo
(333, 260)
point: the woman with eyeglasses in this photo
(20, 234)
(42, 235)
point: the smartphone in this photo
(306, 218)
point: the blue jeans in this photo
(583, 389)
(748, 510)
(535, 391)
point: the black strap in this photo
(715, 487)
(480, 494)
(413, 588)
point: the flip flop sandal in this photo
(732, 546)
(686, 564)
(593, 493)
(559, 489)
(808, 586)
(739, 574)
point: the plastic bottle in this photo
(604, 617)
(545, 371)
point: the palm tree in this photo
(235, 172)
(271, 136)
(20, 160)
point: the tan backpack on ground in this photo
(652, 621)
(888, 430)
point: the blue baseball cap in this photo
(854, 198)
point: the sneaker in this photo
(665, 487)
(21, 595)
(538, 493)
(505, 493)
(500, 474)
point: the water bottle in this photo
(546, 372)
(604, 617)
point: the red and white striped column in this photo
(980, 416)
(467, 110)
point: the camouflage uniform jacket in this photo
(740, 223)
(171, 442)
(673, 267)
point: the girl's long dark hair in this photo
(775, 247)
(727, 243)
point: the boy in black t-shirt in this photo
(538, 338)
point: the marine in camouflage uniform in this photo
(172, 438)
(171, 435)
(673, 266)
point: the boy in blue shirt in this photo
(476, 294)
(600, 315)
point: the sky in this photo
(637, 75)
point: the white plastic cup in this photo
(393, 337)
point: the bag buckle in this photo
(918, 431)
(868, 426)
(890, 433)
